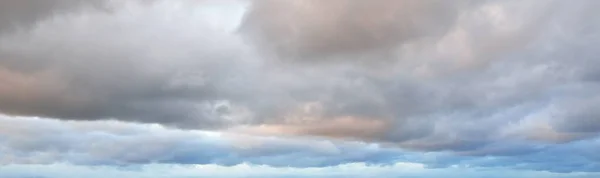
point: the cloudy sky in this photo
(299, 88)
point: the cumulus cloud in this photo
(464, 77)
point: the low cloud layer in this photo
(38, 141)
(44, 141)
(243, 171)
(510, 79)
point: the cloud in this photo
(19, 14)
(345, 127)
(38, 141)
(488, 74)
(320, 28)
(43, 141)
(94, 65)
(342, 171)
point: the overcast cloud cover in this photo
(303, 88)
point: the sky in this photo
(299, 88)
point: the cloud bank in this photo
(36, 141)
(43, 141)
(516, 81)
